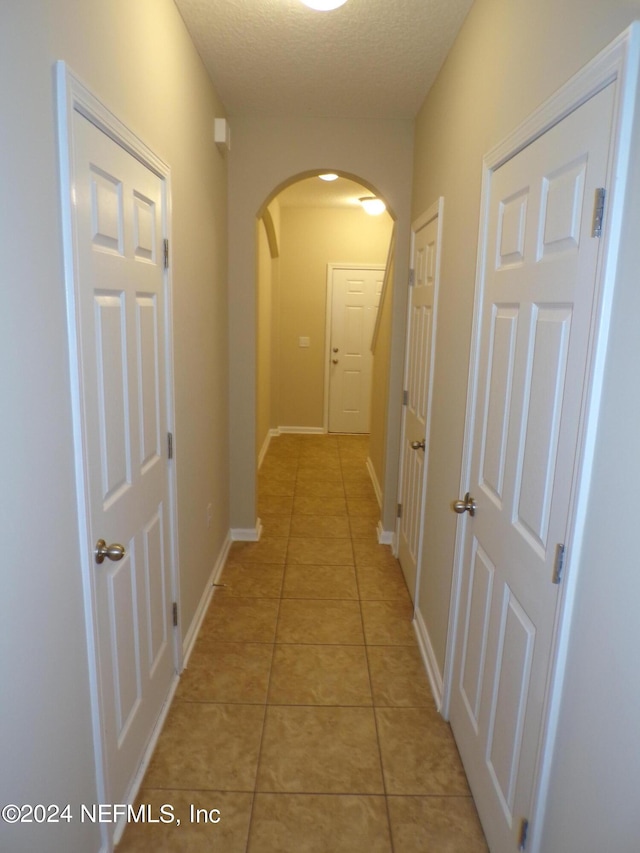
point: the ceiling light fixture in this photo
(372, 205)
(330, 176)
(324, 5)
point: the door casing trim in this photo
(617, 64)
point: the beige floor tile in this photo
(319, 675)
(208, 746)
(276, 488)
(319, 465)
(307, 823)
(229, 835)
(363, 506)
(308, 476)
(274, 506)
(419, 754)
(398, 677)
(276, 464)
(320, 582)
(320, 750)
(388, 623)
(367, 553)
(358, 486)
(319, 551)
(253, 580)
(241, 620)
(382, 583)
(267, 550)
(320, 488)
(276, 526)
(320, 622)
(436, 825)
(364, 528)
(305, 505)
(227, 672)
(321, 526)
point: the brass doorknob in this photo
(418, 445)
(114, 552)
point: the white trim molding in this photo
(246, 534)
(201, 610)
(428, 657)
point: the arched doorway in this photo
(312, 233)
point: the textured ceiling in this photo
(368, 59)
(312, 192)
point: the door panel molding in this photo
(74, 98)
(617, 64)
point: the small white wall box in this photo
(222, 133)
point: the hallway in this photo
(304, 715)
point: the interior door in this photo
(355, 296)
(118, 223)
(536, 316)
(417, 383)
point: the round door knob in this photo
(467, 505)
(418, 445)
(114, 552)
(335, 349)
(334, 360)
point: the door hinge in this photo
(170, 445)
(524, 831)
(166, 254)
(558, 564)
(598, 212)
(175, 614)
(405, 397)
(412, 278)
(399, 510)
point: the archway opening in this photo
(315, 244)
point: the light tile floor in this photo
(304, 715)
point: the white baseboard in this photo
(203, 604)
(297, 430)
(265, 446)
(246, 534)
(428, 658)
(374, 481)
(144, 764)
(385, 537)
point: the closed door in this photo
(536, 317)
(355, 296)
(118, 223)
(417, 385)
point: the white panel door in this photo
(118, 221)
(417, 383)
(536, 315)
(354, 306)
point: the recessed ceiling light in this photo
(324, 5)
(330, 176)
(372, 205)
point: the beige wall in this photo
(508, 58)
(311, 238)
(380, 378)
(266, 154)
(138, 58)
(264, 344)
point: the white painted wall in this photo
(509, 57)
(138, 58)
(266, 154)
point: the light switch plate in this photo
(304, 342)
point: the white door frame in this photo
(327, 335)
(73, 96)
(436, 210)
(617, 64)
